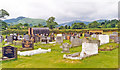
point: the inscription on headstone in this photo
(9, 52)
(28, 44)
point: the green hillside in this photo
(32, 21)
(23, 20)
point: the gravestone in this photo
(20, 37)
(15, 37)
(27, 44)
(49, 39)
(76, 42)
(104, 39)
(10, 39)
(26, 37)
(9, 52)
(1, 38)
(94, 41)
(17, 42)
(52, 36)
(86, 35)
(117, 40)
(65, 48)
(43, 40)
(36, 39)
(59, 39)
(93, 35)
(88, 49)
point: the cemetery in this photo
(38, 49)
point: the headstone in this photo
(59, 39)
(65, 48)
(20, 37)
(15, 37)
(26, 37)
(52, 37)
(36, 39)
(1, 38)
(93, 35)
(17, 42)
(10, 39)
(9, 52)
(104, 39)
(76, 42)
(86, 35)
(43, 40)
(94, 41)
(88, 49)
(27, 44)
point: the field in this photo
(54, 59)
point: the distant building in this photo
(32, 31)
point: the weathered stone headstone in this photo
(20, 37)
(1, 38)
(76, 42)
(59, 38)
(28, 44)
(36, 39)
(26, 37)
(17, 42)
(103, 39)
(52, 36)
(86, 35)
(10, 39)
(93, 35)
(9, 52)
(65, 48)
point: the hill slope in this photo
(25, 20)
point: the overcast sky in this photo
(62, 10)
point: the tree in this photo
(65, 26)
(94, 24)
(3, 13)
(51, 23)
(61, 27)
(40, 25)
(68, 27)
(26, 24)
(78, 26)
(4, 25)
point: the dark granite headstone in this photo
(27, 44)
(9, 52)
(15, 37)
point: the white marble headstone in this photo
(89, 49)
(103, 39)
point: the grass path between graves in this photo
(54, 59)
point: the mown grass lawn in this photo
(54, 59)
